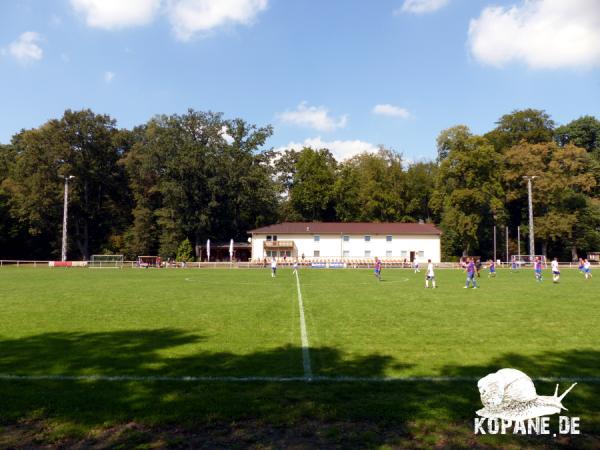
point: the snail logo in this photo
(509, 399)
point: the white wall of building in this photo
(334, 246)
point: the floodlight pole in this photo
(531, 234)
(63, 253)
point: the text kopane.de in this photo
(537, 426)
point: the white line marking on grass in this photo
(367, 283)
(207, 280)
(242, 283)
(303, 334)
(233, 379)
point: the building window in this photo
(316, 253)
(367, 238)
(274, 237)
(421, 254)
(367, 252)
(388, 253)
(404, 254)
(346, 253)
(269, 238)
(388, 239)
(316, 238)
(346, 238)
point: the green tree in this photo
(250, 198)
(370, 188)
(586, 232)
(185, 251)
(13, 235)
(79, 144)
(198, 176)
(530, 125)
(583, 132)
(312, 190)
(560, 190)
(349, 201)
(284, 164)
(419, 190)
(469, 196)
(454, 138)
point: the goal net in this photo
(518, 261)
(106, 262)
(148, 261)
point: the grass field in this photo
(215, 358)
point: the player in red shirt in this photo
(378, 268)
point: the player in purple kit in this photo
(537, 267)
(377, 268)
(470, 273)
(492, 272)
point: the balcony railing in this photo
(279, 244)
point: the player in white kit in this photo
(430, 275)
(273, 267)
(555, 271)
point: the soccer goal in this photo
(518, 261)
(106, 262)
(148, 261)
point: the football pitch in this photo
(332, 358)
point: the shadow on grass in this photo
(330, 414)
(155, 353)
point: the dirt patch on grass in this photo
(251, 434)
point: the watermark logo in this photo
(511, 405)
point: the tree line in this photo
(178, 180)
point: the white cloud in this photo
(316, 117)
(189, 17)
(111, 14)
(386, 109)
(26, 49)
(225, 134)
(340, 149)
(421, 6)
(108, 76)
(544, 34)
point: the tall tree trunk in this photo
(573, 253)
(78, 240)
(86, 242)
(86, 236)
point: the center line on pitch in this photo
(303, 334)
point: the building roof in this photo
(226, 245)
(349, 228)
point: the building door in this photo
(412, 256)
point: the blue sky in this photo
(346, 74)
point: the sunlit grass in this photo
(243, 323)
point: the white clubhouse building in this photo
(342, 241)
